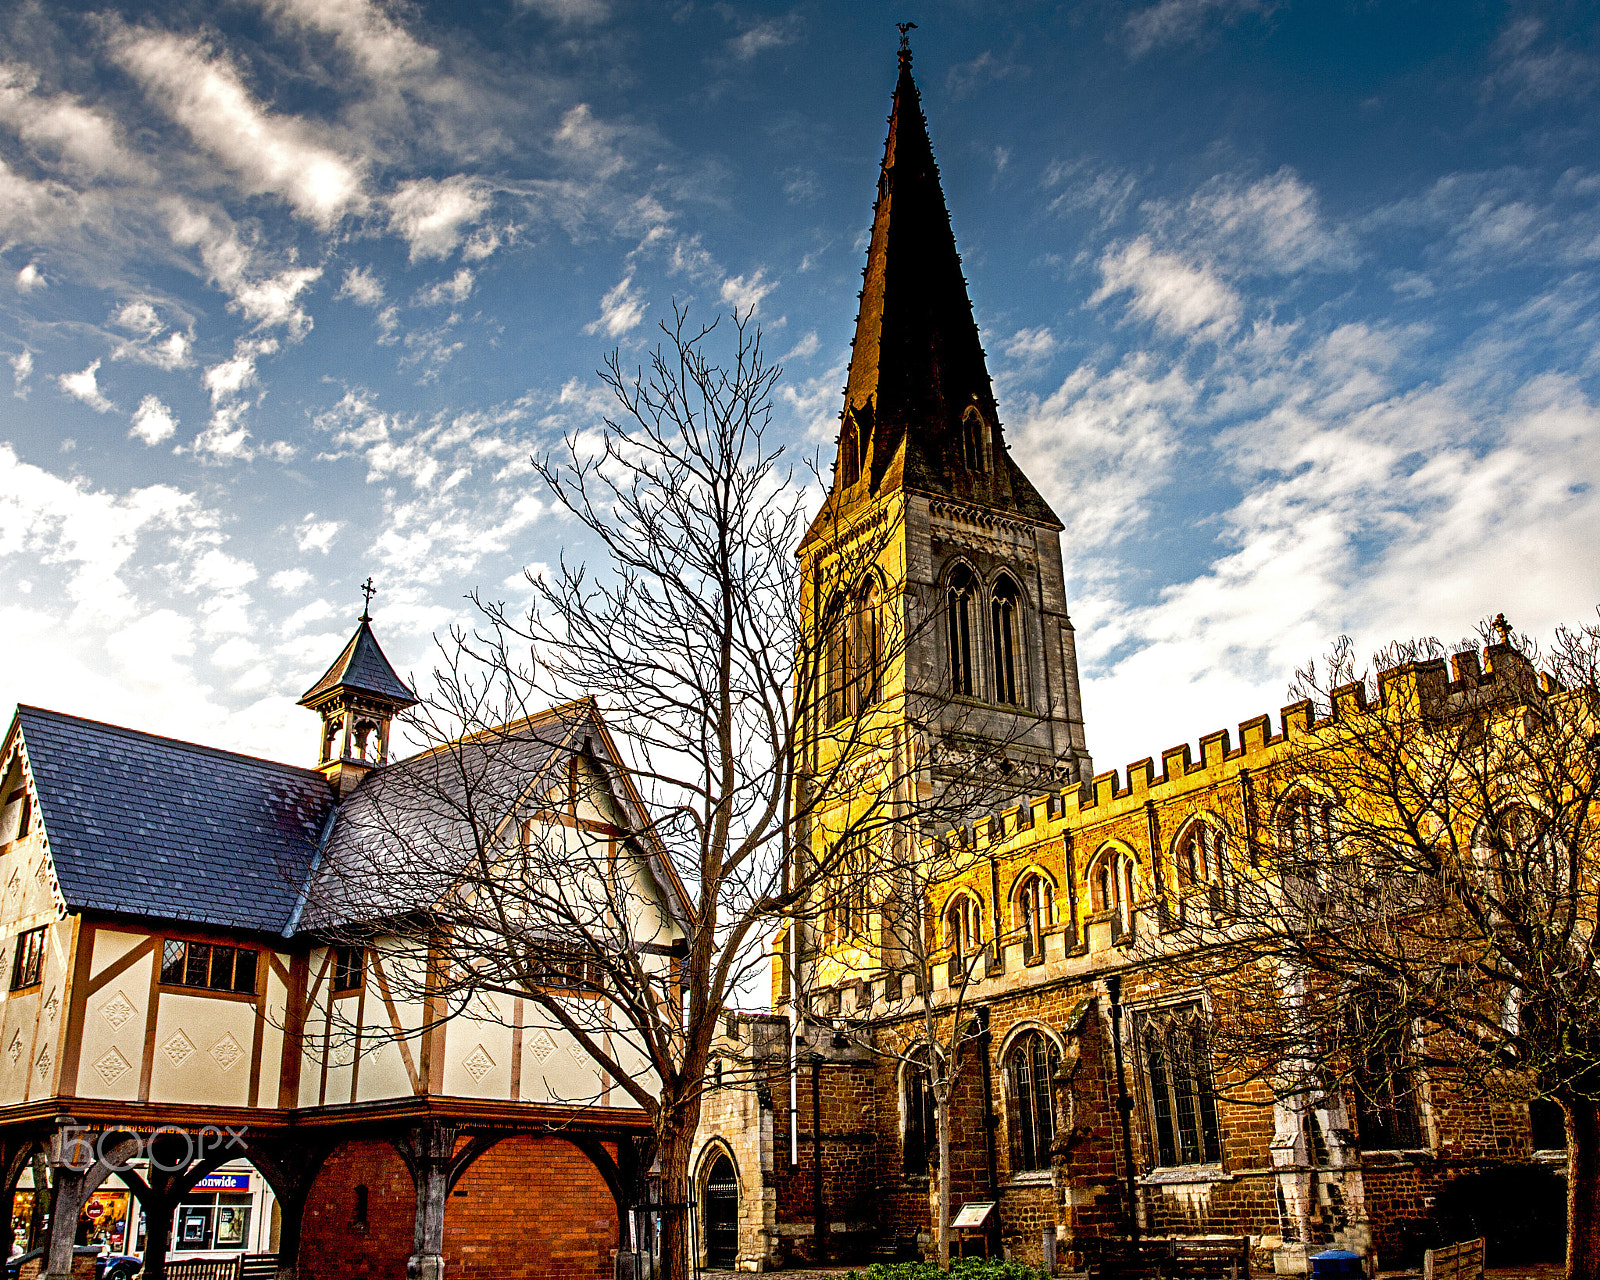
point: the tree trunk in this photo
(675, 1194)
(1583, 1188)
(942, 1116)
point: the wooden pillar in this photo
(291, 1214)
(158, 1213)
(428, 1151)
(68, 1195)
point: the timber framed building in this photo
(172, 1010)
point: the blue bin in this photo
(1336, 1264)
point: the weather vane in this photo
(905, 40)
(368, 591)
(1500, 624)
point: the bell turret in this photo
(357, 698)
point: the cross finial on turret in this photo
(367, 591)
(905, 41)
(1499, 623)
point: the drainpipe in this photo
(821, 1224)
(990, 1121)
(1124, 1103)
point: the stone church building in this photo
(1040, 933)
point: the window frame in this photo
(918, 1117)
(1037, 917)
(27, 966)
(187, 962)
(1030, 1095)
(1005, 641)
(1169, 1096)
(342, 982)
(961, 590)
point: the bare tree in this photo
(623, 887)
(1418, 901)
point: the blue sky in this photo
(1291, 309)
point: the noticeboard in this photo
(975, 1213)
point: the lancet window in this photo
(963, 927)
(855, 652)
(1031, 1065)
(1005, 633)
(1202, 849)
(1111, 885)
(1035, 907)
(1183, 1099)
(1383, 1079)
(919, 1136)
(959, 622)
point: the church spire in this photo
(919, 408)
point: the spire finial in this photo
(905, 42)
(1499, 623)
(367, 591)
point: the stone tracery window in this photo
(1309, 847)
(1201, 854)
(1383, 1079)
(855, 650)
(1183, 1101)
(1035, 906)
(963, 927)
(1005, 634)
(1031, 1065)
(1111, 885)
(959, 598)
(973, 454)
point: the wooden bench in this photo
(1168, 1258)
(204, 1268)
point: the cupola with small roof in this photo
(357, 698)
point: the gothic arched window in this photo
(1307, 832)
(1183, 1099)
(1518, 855)
(973, 454)
(1035, 905)
(958, 608)
(963, 927)
(868, 625)
(1006, 616)
(919, 1137)
(1383, 1080)
(1200, 854)
(1031, 1065)
(1111, 885)
(849, 452)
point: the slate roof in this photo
(917, 363)
(151, 826)
(363, 668)
(404, 836)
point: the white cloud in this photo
(267, 298)
(620, 310)
(432, 215)
(590, 141)
(1178, 297)
(1537, 70)
(316, 535)
(226, 438)
(270, 154)
(83, 386)
(361, 285)
(1031, 344)
(1176, 21)
(60, 129)
(454, 290)
(744, 295)
(152, 421)
(289, 581)
(140, 318)
(29, 279)
(21, 371)
(381, 48)
(1271, 224)
(757, 38)
(229, 377)
(575, 12)
(802, 350)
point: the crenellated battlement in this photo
(1429, 689)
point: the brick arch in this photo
(527, 1208)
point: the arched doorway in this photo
(722, 1213)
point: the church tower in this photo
(935, 594)
(975, 570)
(357, 698)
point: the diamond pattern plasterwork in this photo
(44, 1063)
(178, 1048)
(478, 1064)
(541, 1045)
(226, 1052)
(112, 1066)
(14, 1049)
(52, 1005)
(117, 1011)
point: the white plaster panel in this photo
(213, 1069)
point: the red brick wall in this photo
(529, 1209)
